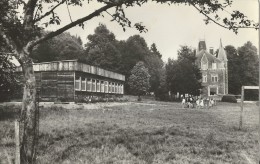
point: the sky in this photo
(169, 27)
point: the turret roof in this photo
(222, 53)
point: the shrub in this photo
(229, 98)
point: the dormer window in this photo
(204, 66)
(214, 65)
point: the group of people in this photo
(197, 102)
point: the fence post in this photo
(17, 142)
(241, 111)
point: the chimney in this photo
(211, 50)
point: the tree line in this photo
(165, 78)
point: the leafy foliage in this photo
(234, 77)
(101, 49)
(243, 69)
(155, 66)
(248, 64)
(135, 49)
(62, 47)
(183, 75)
(9, 81)
(139, 79)
(162, 91)
(121, 56)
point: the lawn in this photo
(145, 133)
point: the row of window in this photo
(214, 78)
(204, 66)
(94, 85)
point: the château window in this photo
(78, 84)
(214, 65)
(204, 78)
(83, 85)
(214, 78)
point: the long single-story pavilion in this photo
(70, 80)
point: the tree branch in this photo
(68, 26)
(28, 13)
(214, 21)
(49, 12)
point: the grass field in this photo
(133, 133)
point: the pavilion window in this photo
(89, 85)
(98, 86)
(119, 88)
(102, 87)
(109, 87)
(116, 88)
(106, 87)
(94, 85)
(113, 87)
(83, 85)
(78, 84)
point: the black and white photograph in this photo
(129, 82)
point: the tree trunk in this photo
(28, 120)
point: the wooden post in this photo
(241, 111)
(259, 81)
(17, 142)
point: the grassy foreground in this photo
(139, 133)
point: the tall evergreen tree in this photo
(234, 70)
(249, 68)
(134, 50)
(183, 75)
(63, 47)
(101, 50)
(155, 51)
(139, 80)
(242, 69)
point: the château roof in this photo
(208, 55)
(222, 53)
